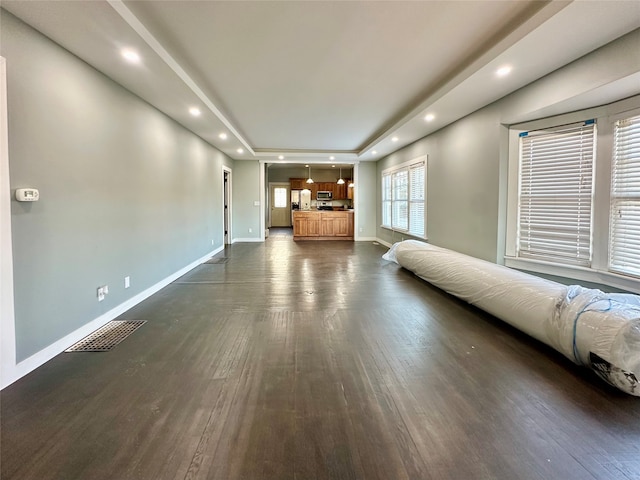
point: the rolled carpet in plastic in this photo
(592, 328)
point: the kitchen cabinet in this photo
(340, 191)
(297, 183)
(323, 225)
(306, 224)
(301, 184)
(336, 224)
(323, 187)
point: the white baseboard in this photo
(366, 239)
(386, 244)
(40, 358)
(245, 240)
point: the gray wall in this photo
(467, 166)
(124, 190)
(246, 190)
(365, 200)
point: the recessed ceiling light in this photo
(223, 136)
(240, 150)
(195, 111)
(280, 157)
(503, 71)
(394, 139)
(429, 117)
(374, 153)
(130, 55)
(332, 157)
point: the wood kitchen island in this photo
(323, 225)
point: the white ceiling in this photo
(309, 80)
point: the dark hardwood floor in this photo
(315, 360)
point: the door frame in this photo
(270, 200)
(227, 238)
(8, 370)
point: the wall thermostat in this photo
(27, 194)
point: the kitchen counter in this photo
(323, 225)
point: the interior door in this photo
(280, 205)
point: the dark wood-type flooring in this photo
(315, 360)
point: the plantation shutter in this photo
(416, 199)
(555, 194)
(624, 245)
(400, 193)
(386, 200)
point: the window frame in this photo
(599, 272)
(619, 269)
(534, 188)
(389, 173)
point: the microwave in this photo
(324, 196)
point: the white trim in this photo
(248, 240)
(7, 312)
(601, 277)
(409, 163)
(383, 242)
(46, 354)
(367, 239)
(229, 207)
(262, 183)
(354, 202)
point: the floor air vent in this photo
(107, 337)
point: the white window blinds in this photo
(386, 200)
(556, 194)
(624, 245)
(400, 196)
(403, 198)
(416, 199)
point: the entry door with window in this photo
(280, 206)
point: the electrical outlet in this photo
(213, 242)
(360, 230)
(251, 230)
(127, 281)
(101, 293)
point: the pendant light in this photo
(351, 184)
(340, 180)
(309, 180)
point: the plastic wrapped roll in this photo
(591, 328)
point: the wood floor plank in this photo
(313, 360)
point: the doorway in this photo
(226, 202)
(280, 202)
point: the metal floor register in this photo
(107, 337)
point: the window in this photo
(556, 194)
(573, 197)
(280, 197)
(624, 243)
(403, 197)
